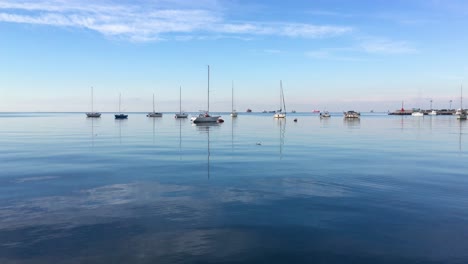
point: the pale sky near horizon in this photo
(330, 54)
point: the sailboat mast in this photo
(92, 100)
(120, 95)
(180, 100)
(153, 104)
(281, 86)
(282, 94)
(461, 98)
(208, 88)
(232, 96)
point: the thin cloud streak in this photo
(150, 23)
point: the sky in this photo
(329, 54)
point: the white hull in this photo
(351, 114)
(417, 114)
(205, 119)
(461, 117)
(234, 114)
(182, 115)
(154, 114)
(433, 112)
(94, 114)
(280, 115)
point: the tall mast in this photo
(153, 104)
(282, 95)
(461, 98)
(281, 107)
(120, 95)
(180, 100)
(232, 96)
(92, 100)
(208, 88)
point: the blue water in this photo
(382, 189)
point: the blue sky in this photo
(330, 54)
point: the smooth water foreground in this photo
(383, 189)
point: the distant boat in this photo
(325, 114)
(233, 111)
(462, 115)
(351, 114)
(418, 114)
(249, 110)
(293, 111)
(93, 114)
(264, 111)
(180, 114)
(281, 113)
(433, 112)
(154, 113)
(206, 117)
(316, 111)
(120, 115)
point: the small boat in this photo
(352, 114)
(93, 114)
(233, 111)
(293, 111)
(433, 112)
(462, 115)
(280, 113)
(154, 113)
(120, 115)
(249, 110)
(325, 114)
(206, 117)
(264, 111)
(180, 114)
(418, 114)
(316, 111)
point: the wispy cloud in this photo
(386, 46)
(149, 22)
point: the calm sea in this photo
(382, 189)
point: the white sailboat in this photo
(206, 117)
(180, 114)
(120, 115)
(154, 113)
(233, 111)
(462, 115)
(281, 113)
(93, 114)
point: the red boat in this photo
(316, 111)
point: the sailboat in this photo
(233, 111)
(92, 113)
(120, 115)
(281, 113)
(180, 114)
(462, 115)
(154, 113)
(206, 117)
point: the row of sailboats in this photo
(204, 117)
(94, 114)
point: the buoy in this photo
(220, 120)
(295, 119)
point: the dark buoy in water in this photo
(295, 119)
(220, 120)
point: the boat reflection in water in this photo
(281, 122)
(352, 122)
(120, 123)
(205, 128)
